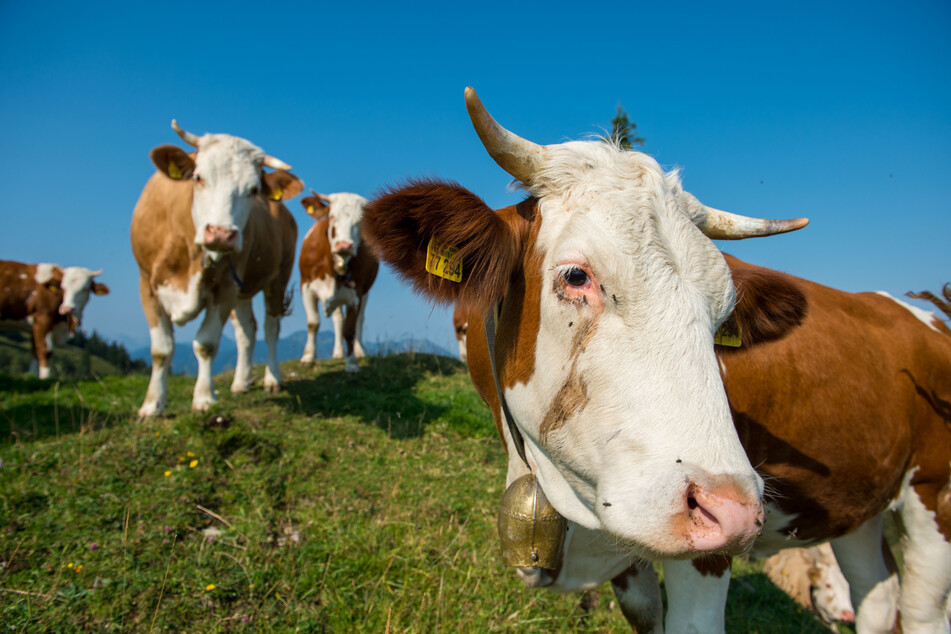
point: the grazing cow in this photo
(335, 270)
(209, 232)
(814, 580)
(611, 292)
(47, 301)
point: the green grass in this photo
(345, 503)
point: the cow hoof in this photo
(150, 410)
(202, 406)
(240, 389)
(337, 355)
(272, 388)
(352, 366)
(307, 361)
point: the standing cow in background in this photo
(47, 301)
(460, 324)
(337, 270)
(609, 292)
(209, 232)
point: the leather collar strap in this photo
(491, 324)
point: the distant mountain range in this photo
(290, 347)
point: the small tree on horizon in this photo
(624, 131)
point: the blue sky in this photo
(835, 111)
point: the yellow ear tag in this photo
(729, 334)
(173, 171)
(52, 287)
(310, 210)
(438, 263)
(99, 291)
(277, 194)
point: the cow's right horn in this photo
(187, 137)
(517, 156)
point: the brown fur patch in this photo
(570, 399)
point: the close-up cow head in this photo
(344, 212)
(610, 293)
(228, 178)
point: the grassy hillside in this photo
(346, 503)
(67, 360)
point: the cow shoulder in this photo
(401, 224)
(769, 304)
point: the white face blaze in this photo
(346, 214)
(77, 284)
(625, 418)
(227, 181)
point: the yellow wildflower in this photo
(209, 587)
(69, 565)
(190, 454)
(193, 463)
(168, 473)
(181, 458)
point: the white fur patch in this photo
(44, 273)
(181, 306)
(926, 317)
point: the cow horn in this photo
(722, 225)
(320, 197)
(515, 155)
(276, 163)
(95, 273)
(187, 137)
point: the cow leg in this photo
(696, 602)
(337, 318)
(162, 348)
(41, 347)
(313, 324)
(358, 351)
(205, 346)
(245, 331)
(349, 335)
(272, 332)
(638, 593)
(926, 583)
(873, 588)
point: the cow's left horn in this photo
(722, 225)
(515, 155)
(276, 163)
(187, 137)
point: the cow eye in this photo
(575, 277)
(254, 190)
(197, 178)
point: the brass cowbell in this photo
(531, 531)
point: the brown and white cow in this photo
(47, 301)
(610, 296)
(209, 232)
(813, 579)
(337, 270)
(460, 324)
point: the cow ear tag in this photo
(729, 334)
(277, 194)
(439, 261)
(310, 210)
(174, 171)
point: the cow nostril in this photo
(692, 502)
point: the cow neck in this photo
(206, 262)
(491, 325)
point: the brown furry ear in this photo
(173, 161)
(280, 185)
(769, 304)
(400, 224)
(315, 207)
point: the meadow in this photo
(343, 504)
